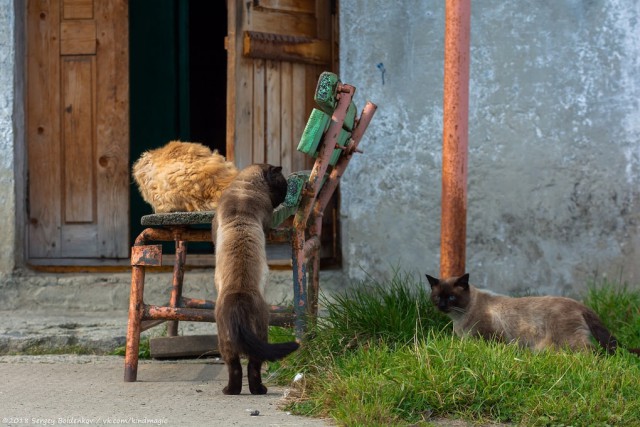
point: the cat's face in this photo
(450, 295)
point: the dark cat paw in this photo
(232, 390)
(260, 389)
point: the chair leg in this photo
(176, 289)
(136, 307)
(314, 269)
(299, 282)
(314, 286)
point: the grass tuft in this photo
(398, 311)
(144, 350)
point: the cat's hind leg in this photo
(255, 376)
(235, 375)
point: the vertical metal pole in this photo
(455, 138)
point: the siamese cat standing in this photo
(534, 322)
(242, 219)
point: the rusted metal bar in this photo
(176, 285)
(153, 234)
(178, 313)
(146, 255)
(314, 287)
(314, 269)
(455, 138)
(192, 235)
(365, 118)
(334, 178)
(311, 245)
(206, 304)
(299, 279)
(171, 234)
(281, 309)
(278, 317)
(197, 303)
(133, 327)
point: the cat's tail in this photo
(243, 317)
(600, 332)
(263, 350)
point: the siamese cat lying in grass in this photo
(242, 219)
(534, 322)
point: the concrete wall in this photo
(554, 141)
(554, 159)
(7, 138)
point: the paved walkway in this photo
(89, 390)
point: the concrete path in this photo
(89, 390)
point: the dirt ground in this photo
(89, 390)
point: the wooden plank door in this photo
(276, 51)
(77, 130)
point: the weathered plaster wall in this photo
(7, 132)
(554, 141)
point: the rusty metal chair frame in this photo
(304, 235)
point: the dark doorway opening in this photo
(208, 73)
(178, 83)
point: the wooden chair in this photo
(332, 135)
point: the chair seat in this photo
(178, 218)
(295, 184)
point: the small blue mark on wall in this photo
(382, 70)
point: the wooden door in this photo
(77, 130)
(276, 51)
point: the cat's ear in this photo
(463, 281)
(432, 281)
(273, 172)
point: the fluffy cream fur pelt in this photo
(182, 177)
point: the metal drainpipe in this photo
(455, 138)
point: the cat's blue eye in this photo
(452, 298)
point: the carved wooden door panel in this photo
(77, 130)
(276, 51)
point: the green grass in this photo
(619, 309)
(42, 350)
(384, 356)
(144, 350)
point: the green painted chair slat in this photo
(326, 92)
(295, 185)
(317, 124)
